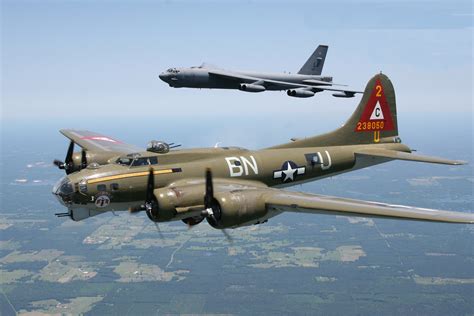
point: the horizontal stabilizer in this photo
(400, 155)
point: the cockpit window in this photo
(172, 70)
(126, 161)
(137, 161)
(144, 161)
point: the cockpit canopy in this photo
(135, 160)
(172, 70)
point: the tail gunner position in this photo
(231, 186)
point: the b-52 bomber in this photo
(306, 83)
(232, 187)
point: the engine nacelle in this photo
(300, 93)
(100, 158)
(344, 94)
(248, 87)
(231, 209)
(238, 208)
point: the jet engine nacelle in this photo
(300, 93)
(248, 87)
(344, 94)
(240, 208)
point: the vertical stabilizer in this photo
(314, 65)
(374, 119)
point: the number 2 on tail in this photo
(378, 90)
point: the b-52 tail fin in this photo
(314, 65)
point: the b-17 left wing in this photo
(246, 203)
(92, 141)
(280, 200)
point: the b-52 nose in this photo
(166, 77)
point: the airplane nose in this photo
(63, 191)
(164, 76)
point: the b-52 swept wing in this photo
(306, 83)
(232, 187)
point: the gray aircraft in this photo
(306, 83)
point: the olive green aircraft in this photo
(232, 187)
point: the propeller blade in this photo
(159, 231)
(209, 196)
(83, 159)
(227, 236)
(70, 151)
(69, 162)
(150, 187)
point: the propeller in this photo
(68, 164)
(151, 203)
(212, 209)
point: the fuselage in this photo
(116, 187)
(197, 77)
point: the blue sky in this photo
(76, 60)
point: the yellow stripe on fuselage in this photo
(129, 175)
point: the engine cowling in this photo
(231, 209)
(238, 208)
(344, 94)
(248, 87)
(300, 93)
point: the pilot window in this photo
(137, 161)
(144, 161)
(124, 161)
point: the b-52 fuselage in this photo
(306, 83)
(232, 186)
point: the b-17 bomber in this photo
(304, 84)
(232, 187)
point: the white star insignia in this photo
(289, 172)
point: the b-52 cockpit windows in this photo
(172, 70)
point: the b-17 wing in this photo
(285, 201)
(245, 203)
(92, 141)
(312, 85)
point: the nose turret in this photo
(63, 191)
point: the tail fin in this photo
(373, 121)
(314, 65)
